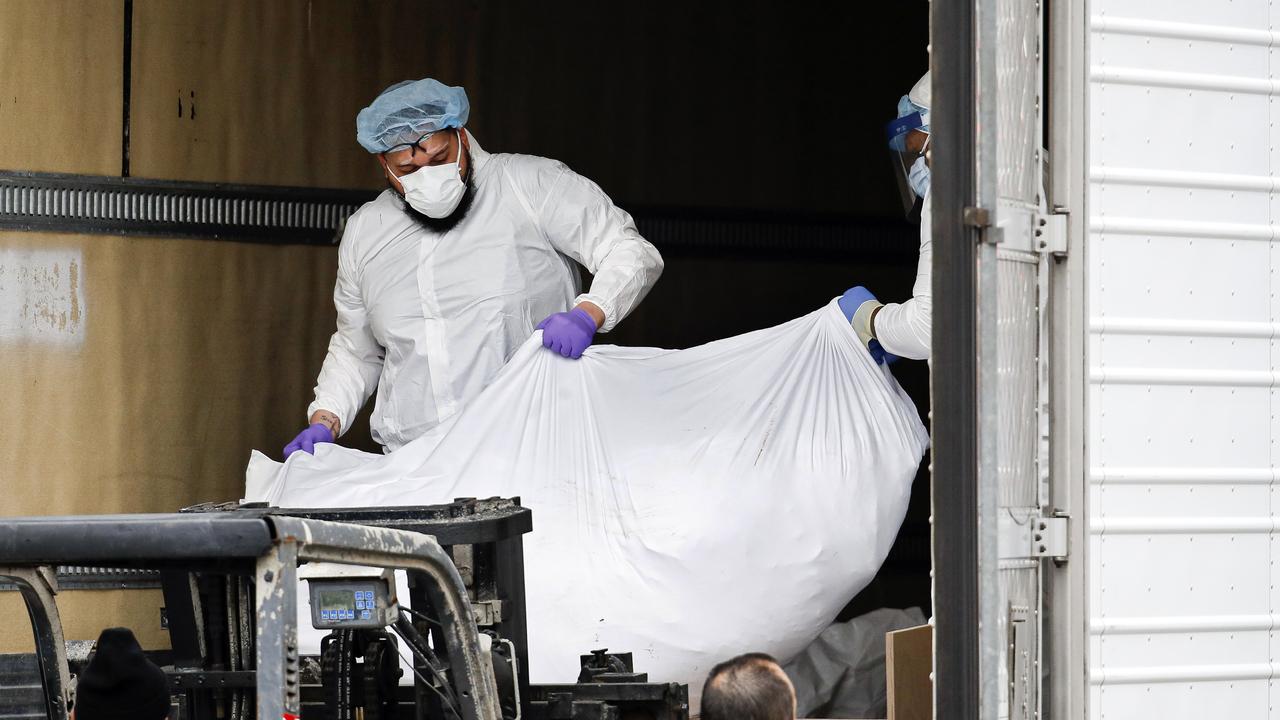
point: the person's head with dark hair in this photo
(120, 682)
(748, 687)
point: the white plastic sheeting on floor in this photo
(688, 505)
(842, 673)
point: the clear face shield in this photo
(908, 143)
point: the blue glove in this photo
(307, 440)
(880, 355)
(853, 299)
(858, 305)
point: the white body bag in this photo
(688, 505)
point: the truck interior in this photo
(748, 143)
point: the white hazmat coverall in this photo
(429, 318)
(905, 329)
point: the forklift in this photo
(231, 574)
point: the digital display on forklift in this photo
(337, 605)
(337, 600)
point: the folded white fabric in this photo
(688, 505)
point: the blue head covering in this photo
(910, 117)
(406, 111)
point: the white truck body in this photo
(1181, 263)
(1127, 490)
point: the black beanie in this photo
(120, 682)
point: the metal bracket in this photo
(977, 217)
(1033, 537)
(1051, 235)
(1049, 537)
(180, 680)
(488, 612)
(1020, 663)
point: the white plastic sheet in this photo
(688, 505)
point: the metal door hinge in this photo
(1051, 235)
(1032, 537)
(1049, 537)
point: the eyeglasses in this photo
(428, 143)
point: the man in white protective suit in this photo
(447, 272)
(833, 671)
(903, 329)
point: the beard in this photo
(448, 222)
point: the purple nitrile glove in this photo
(308, 439)
(568, 333)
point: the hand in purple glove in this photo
(308, 439)
(568, 333)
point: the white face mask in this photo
(435, 190)
(918, 177)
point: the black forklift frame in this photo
(269, 546)
(483, 537)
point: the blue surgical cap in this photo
(910, 117)
(406, 111)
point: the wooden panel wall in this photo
(189, 354)
(267, 92)
(85, 613)
(60, 82)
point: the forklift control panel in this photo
(349, 599)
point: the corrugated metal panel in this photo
(1020, 596)
(1182, 358)
(1009, 182)
(1018, 334)
(1019, 482)
(1017, 79)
